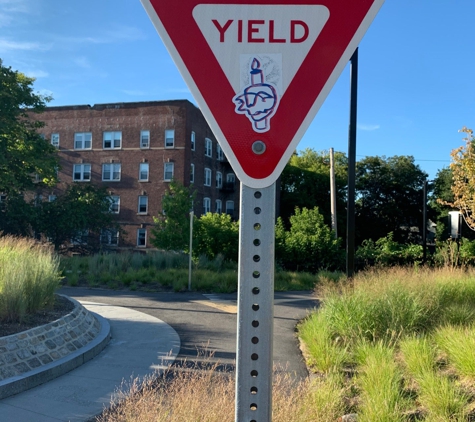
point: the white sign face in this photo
(289, 31)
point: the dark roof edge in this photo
(120, 105)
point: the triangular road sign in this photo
(260, 71)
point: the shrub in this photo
(216, 234)
(309, 245)
(385, 252)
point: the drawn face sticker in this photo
(258, 101)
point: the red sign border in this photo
(348, 21)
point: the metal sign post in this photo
(255, 305)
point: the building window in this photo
(169, 138)
(143, 205)
(219, 153)
(145, 139)
(82, 172)
(143, 172)
(208, 147)
(142, 237)
(206, 205)
(111, 172)
(230, 208)
(83, 140)
(207, 177)
(51, 198)
(169, 168)
(55, 140)
(193, 141)
(109, 237)
(219, 180)
(230, 178)
(112, 140)
(192, 173)
(219, 206)
(80, 238)
(114, 204)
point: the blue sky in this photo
(416, 70)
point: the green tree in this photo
(172, 229)
(16, 216)
(463, 179)
(217, 234)
(27, 160)
(305, 183)
(309, 245)
(81, 208)
(389, 197)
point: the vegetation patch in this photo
(29, 276)
(169, 271)
(402, 341)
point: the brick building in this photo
(136, 149)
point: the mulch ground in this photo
(61, 307)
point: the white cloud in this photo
(118, 33)
(36, 73)
(369, 128)
(6, 45)
(82, 62)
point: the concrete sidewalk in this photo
(140, 345)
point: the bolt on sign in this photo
(260, 71)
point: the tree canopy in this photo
(26, 159)
(305, 183)
(82, 208)
(172, 228)
(389, 197)
(463, 178)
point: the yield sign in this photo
(260, 71)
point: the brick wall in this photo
(130, 119)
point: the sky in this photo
(416, 81)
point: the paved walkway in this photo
(140, 345)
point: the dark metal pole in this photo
(424, 222)
(350, 218)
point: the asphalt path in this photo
(206, 325)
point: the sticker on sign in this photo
(260, 73)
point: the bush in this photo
(29, 276)
(309, 245)
(386, 252)
(216, 234)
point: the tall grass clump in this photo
(388, 304)
(324, 354)
(379, 379)
(459, 345)
(439, 396)
(29, 276)
(207, 394)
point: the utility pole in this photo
(350, 231)
(333, 192)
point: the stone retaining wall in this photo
(29, 350)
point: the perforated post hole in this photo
(255, 305)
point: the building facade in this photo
(135, 150)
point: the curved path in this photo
(207, 323)
(144, 338)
